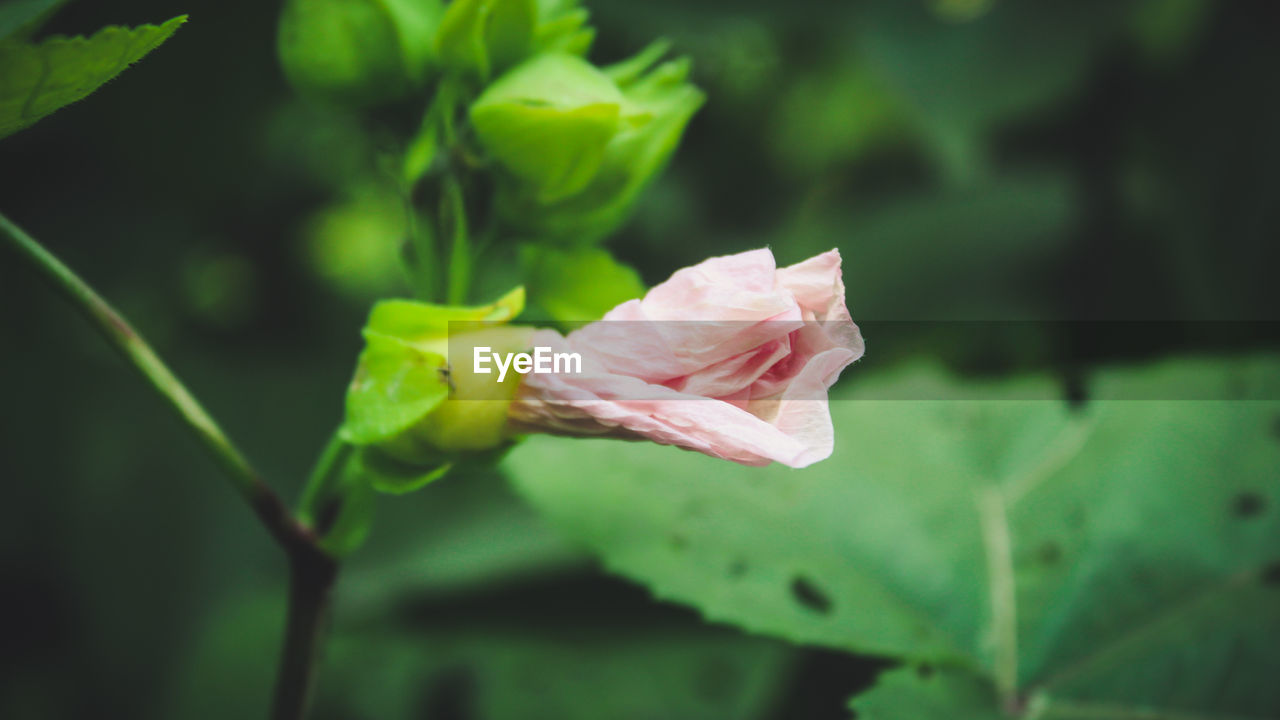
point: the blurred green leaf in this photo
(1115, 555)
(974, 252)
(962, 79)
(37, 79)
(354, 244)
(833, 117)
(1165, 29)
(357, 52)
(459, 536)
(577, 284)
(532, 673)
(20, 15)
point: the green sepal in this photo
(577, 284)
(396, 384)
(39, 78)
(654, 104)
(399, 399)
(481, 38)
(387, 474)
(426, 326)
(549, 122)
(338, 501)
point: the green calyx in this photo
(481, 39)
(412, 411)
(579, 143)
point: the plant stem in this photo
(312, 571)
(453, 220)
(246, 481)
(312, 574)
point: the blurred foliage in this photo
(972, 160)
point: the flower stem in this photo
(311, 578)
(246, 481)
(453, 221)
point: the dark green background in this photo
(1081, 160)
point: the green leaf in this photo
(37, 79)
(20, 16)
(924, 693)
(577, 284)
(1124, 555)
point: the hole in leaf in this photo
(1271, 574)
(1248, 504)
(924, 671)
(810, 595)
(1050, 553)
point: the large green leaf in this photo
(36, 79)
(1121, 555)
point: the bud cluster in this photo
(520, 139)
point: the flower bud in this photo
(410, 402)
(580, 143)
(358, 52)
(481, 39)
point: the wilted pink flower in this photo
(732, 357)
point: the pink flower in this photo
(732, 357)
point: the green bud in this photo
(408, 402)
(358, 52)
(580, 143)
(481, 39)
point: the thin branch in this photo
(246, 481)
